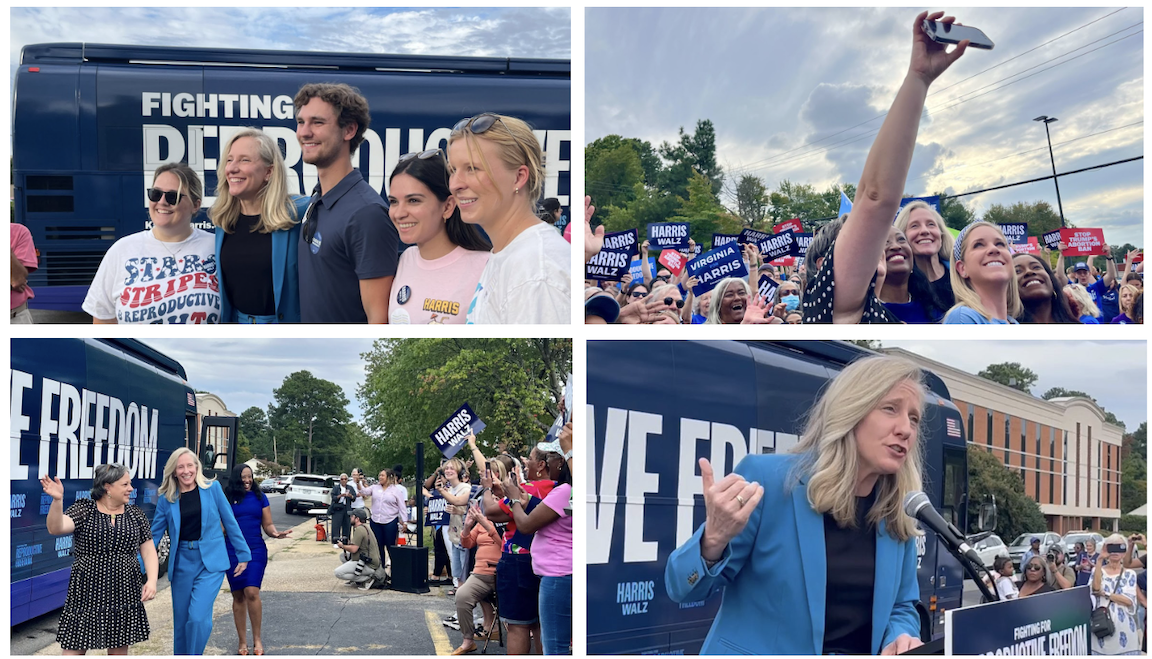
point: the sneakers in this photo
(367, 585)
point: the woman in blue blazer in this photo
(192, 509)
(812, 550)
(257, 228)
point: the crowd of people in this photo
(477, 251)
(863, 267)
(503, 538)
(1111, 575)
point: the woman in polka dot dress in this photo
(106, 592)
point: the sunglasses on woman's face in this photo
(638, 294)
(170, 196)
(669, 301)
(1034, 568)
(423, 155)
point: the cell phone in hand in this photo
(1113, 549)
(954, 34)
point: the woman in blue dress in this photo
(250, 506)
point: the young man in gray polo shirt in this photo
(348, 246)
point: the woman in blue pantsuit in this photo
(192, 509)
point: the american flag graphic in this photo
(953, 426)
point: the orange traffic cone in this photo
(321, 535)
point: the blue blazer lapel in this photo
(279, 263)
(813, 558)
(174, 511)
(206, 502)
(884, 589)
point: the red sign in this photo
(784, 261)
(793, 225)
(1083, 242)
(673, 260)
(1139, 258)
(1030, 247)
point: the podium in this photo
(409, 568)
(1054, 623)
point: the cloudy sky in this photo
(787, 88)
(1115, 373)
(243, 372)
(476, 32)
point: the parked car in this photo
(989, 548)
(1023, 542)
(268, 485)
(280, 483)
(307, 491)
(1072, 537)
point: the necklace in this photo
(110, 513)
(179, 244)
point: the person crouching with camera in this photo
(361, 555)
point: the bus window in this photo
(955, 478)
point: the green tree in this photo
(412, 385)
(651, 206)
(615, 176)
(314, 413)
(1016, 513)
(1061, 392)
(1010, 374)
(751, 201)
(956, 215)
(800, 200)
(254, 432)
(703, 212)
(1133, 483)
(695, 152)
(1039, 215)
(1139, 442)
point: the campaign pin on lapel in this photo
(693, 578)
(404, 294)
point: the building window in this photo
(1037, 426)
(1051, 465)
(971, 423)
(1007, 440)
(1108, 490)
(1076, 463)
(989, 436)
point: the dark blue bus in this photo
(91, 122)
(79, 403)
(654, 409)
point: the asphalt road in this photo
(44, 316)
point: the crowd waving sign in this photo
(791, 225)
(612, 263)
(1052, 239)
(1030, 247)
(751, 236)
(710, 267)
(722, 239)
(803, 240)
(1084, 242)
(452, 434)
(767, 287)
(672, 260)
(781, 244)
(668, 235)
(1015, 232)
(636, 269)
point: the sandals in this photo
(243, 652)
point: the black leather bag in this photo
(1102, 625)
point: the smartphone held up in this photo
(954, 33)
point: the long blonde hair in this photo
(947, 242)
(1131, 288)
(1087, 307)
(965, 295)
(276, 209)
(829, 456)
(518, 147)
(170, 485)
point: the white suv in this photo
(307, 491)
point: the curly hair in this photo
(348, 103)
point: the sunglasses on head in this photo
(481, 123)
(423, 155)
(170, 196)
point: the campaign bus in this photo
(91, 122)
(655, 408)
(80, 403)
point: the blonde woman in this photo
(1082, 305)
(497, 175)
(257, 231)
(450, 485)
(195, 514)
(931, 245)
(983, 278)
(825, 519)
(1128, 295)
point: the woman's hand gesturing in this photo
(729, 503)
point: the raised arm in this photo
(644, 269)
(861, 241)
(58, 522)
(1110, 277)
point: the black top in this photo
(818, 298)
(851, 557)
(943, 289)
(190, 515)
(246, 266)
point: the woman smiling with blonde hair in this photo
(835, 502)
(931, 245)
(983, 278)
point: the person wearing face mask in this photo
(788, 295)
(1040, 297)
(256, 232)
(1114, 588)
(982, 279)
(435, 281)
(905, 290)
(931, 246)
(165, 274)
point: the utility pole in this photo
(1047, 120)
(310, 421)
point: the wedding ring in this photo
(741, 500)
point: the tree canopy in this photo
(304, 400)
(1010, 374)
(1016, 512)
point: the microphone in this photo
(917, 506)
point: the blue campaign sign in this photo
(766, 288)
(711, 267)
(612, 262)
(750, 236)
(1050, 624)
(777, 245)
(803, 240)
(451, 434)
(637, 271)
(1052, 239)
(1015, 232)
(933, 201)
(722, 239)
(668, 235)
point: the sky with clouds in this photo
(465, 32)
(786, 89)
(1115, 373)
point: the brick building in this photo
(1067, 454)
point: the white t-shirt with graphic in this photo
(435, 291)
(527, 282)
(145, 281)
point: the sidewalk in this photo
(308, 611)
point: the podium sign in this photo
(1053, 624)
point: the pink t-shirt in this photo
(552, 546)
(435, 292)
(26, 253)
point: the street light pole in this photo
(1047, 120)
